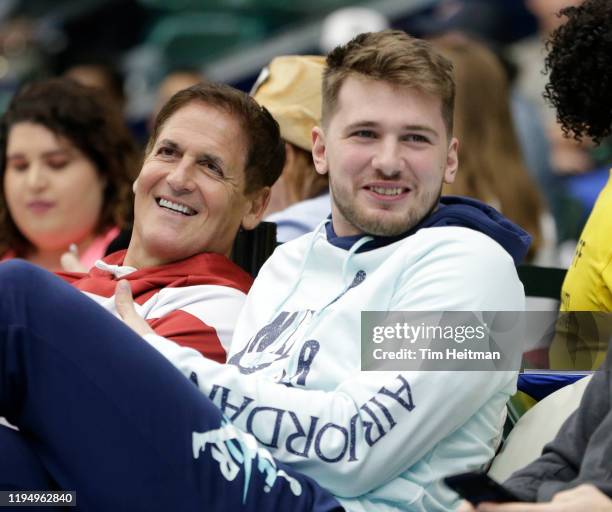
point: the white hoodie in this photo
(380, 441)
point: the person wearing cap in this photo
(290, 88)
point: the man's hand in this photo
(124, 303)
(466, 506)
(584, 497)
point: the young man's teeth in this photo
(181, 208)
(387, 191)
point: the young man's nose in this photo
(388, 159)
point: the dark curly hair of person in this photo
(580, 66)
(89, 120)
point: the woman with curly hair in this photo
(67, 162)
(578, 62)
(580, 88)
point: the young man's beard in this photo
(375, 225)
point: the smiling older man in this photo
(209, 165)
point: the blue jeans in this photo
(102, 413)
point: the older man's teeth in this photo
(181, 208)
(387, 191)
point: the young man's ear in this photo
(256, 206)
(452, 161)
(319, 150)
(134, 185)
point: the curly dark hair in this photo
(90, 121)
(580, 66)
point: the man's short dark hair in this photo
(266, 151)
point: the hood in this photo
(200, 269)
(454, 211)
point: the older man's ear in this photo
(256, 207)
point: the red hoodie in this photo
(194, 302)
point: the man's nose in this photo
(181, 178)
(388, 159)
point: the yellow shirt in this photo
(582, 338)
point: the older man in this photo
(196, 189)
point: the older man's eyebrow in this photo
(168, 143)
(202, 157)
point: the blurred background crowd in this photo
(513, 154)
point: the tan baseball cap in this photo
(290, 88)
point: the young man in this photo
(373, 439)
(376, 440)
